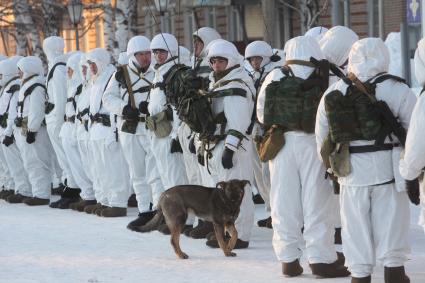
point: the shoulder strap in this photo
(52, 70)
(386, 76)
(28, 92)
(12, 90)
(227, 92)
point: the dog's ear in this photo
(244, 182)
(220, 185)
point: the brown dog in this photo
(218, 205)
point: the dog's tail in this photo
(154, 223)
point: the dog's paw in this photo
(183, 256)
(232, 254)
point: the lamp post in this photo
(75, 10)
(161, 6)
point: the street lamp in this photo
(161, 6)
(75, 10)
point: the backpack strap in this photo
(385, 76)
(52, 70)
(12, 90)
(28, 92)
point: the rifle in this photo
(128, 86)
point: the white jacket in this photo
(82, 104)
(9, 103)
(56, 90)
(34, 104)
(116, 97)
(367, 59)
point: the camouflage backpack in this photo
(292, 102)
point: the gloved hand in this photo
(227, 158)
(31, 137)
(201, 159)
(143, 107)
(175, 146)
(130, 113)
(8, 140)
(192, 147)
(412, 189)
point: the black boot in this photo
(337, 237)
(58, 190)
(258, 199)
(69, 195)
(15, 198)
(292, 269)
(367, 279)
(132, 201)
(202, 232)
(395, 275)
(329, 270)
(141, 220)
(200, 224)
(267, 223)
(5, 193)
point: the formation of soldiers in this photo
(293, 124)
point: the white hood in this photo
(316, 32)
(206, 34)
(53, 47)
(31, 65)
(336, 44)
(74, 64)
(9, 69)
(225, 49)
(136, 44)
(302, 48)
(100, 57)
(83, 62)
(420, 62)
(167, 42)
(123, 58)
(368, 57)
(184, 54)
(259, 48)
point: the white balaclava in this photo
(136, 44)
(74, 64)
(316, 32)
(259, 48)
(368, 57)
(206, 34)
(420, 62)
(336, 44)
(9, 69)
(83, 62)
(30, 65)
(122, 58)
(225, 49)
(53, 47)
(184, 54)
(101, 58)
(167, 42)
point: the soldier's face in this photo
(93, 68)
(143, 58)
(160, 55)
(198, 45)
(70, 72)
(256, 62)
(218, 64)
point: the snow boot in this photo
(114, 212)
(257, 199)
(329, 270)
(213, 243)
(58, 190)
(6, 193)
(163, 228)
(98, 211)
(266, 223)
(337, 237)
(35, 201)
(202, 231)
(187, 229)
(15, 198)
(367, 279)
(91, 208)
(69, 195)
(141, 220)
(132, 201)
(292, 269)
(340, 258)
(79, 206)
(395, 275)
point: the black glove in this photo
(175, 146)
(130, 113)
(31, 137)
(227, 158)
(412, 188)
(192, 147)
(8, 140)
(143, 107)
(201, 159)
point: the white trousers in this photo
(422, 213)
(375, 225)
(190, 159)
(70, 147)
(112, 171)
(53, 130)
(144, 173)
(242, 170)
(261, 174)
(301, 197)
(8, 181)
(17, 170)
(170, 165)
(37, 159)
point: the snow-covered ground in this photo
(40, 244)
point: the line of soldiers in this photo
(289, 125)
